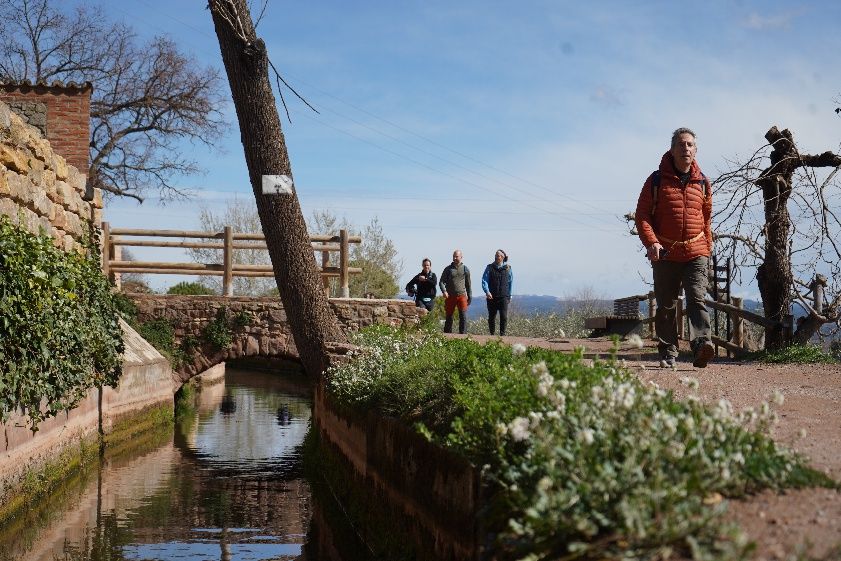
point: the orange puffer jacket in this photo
(681, 221)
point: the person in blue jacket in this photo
(497, 281)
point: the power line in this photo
(441, 172)
(412, 160)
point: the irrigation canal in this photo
(226, 484)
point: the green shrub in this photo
(796, 354)
(59, 328)
(217, 333)
(127, 308)
(583, 460)
(242, 318)
(190, 289)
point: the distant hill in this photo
(531, 304)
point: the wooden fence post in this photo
(738, 324)
(652, 311)
(117, 251)
(817, 292)
(344, 258)
(325, 262)
(228, 260)
(106, 251)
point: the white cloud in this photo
(761, 22)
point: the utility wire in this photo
(404, 129)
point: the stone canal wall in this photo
(31, 460)
(425, 494)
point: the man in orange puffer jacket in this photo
(673, 221)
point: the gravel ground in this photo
(796, 524)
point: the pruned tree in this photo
(147, 98)
(314, 326)
(781, 218)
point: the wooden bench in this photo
(626, 318)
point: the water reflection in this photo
(226, 486)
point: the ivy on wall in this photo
(59, 329)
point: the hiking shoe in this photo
(667, 362)
(703, 353)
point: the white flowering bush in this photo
(380, 349)
(582, 460)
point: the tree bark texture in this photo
(774, 276)
(314, 326)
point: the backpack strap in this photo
(655, 190)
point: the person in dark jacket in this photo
(423, 286)
(673, 219)
(497, 281)
(455, 286)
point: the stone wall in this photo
(391, 477)
(38, 189)
(258, 326)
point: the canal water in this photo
(227, 484)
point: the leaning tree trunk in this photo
(314, 326)
(774, 275)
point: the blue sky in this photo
(528, 126)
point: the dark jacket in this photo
(422, 289)
(498, 280)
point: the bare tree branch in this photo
(147, 98)
(776, 218)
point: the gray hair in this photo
(680, 131)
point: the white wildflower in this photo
(586, 436)
(778, 397)
(540, 368)
(635, 341)
(560, 402)
(544, 484)
(518, 349)
(691, 383)
(739, 458)
(723, 410)
(501, 429)
(564, 383)
(676, 450)
(624, 396)
(801, 433)
(725, 473)
(519, 429)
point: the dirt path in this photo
(794, 524)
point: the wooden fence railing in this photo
(115, 238)
(738, 343)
